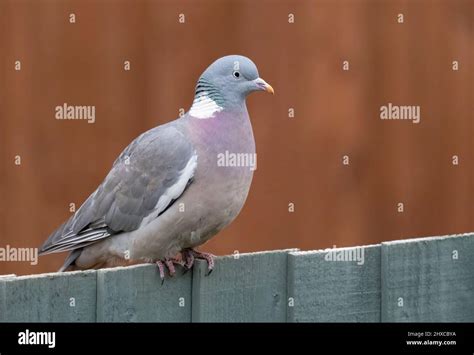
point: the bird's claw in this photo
(187, 262)
(169, 264)
(161, 269)
(188, 258)
(190, 255)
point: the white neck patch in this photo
(204, 107)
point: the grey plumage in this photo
(132, 214)
(130, 191)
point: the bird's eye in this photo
(236, 74)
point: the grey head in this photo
(227, 82)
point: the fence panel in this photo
(244, 288)
(428, 280)
(136, 294)
(57, 297)
(325, 288)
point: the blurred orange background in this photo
(299, 159)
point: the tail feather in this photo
(73, 255)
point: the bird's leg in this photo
(209, 259)
(161, 268)
(178, 262)
(188, 259)
(189, 255)
(169, 263)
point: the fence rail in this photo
(416, 280)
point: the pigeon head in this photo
(225, 84)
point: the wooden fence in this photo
(417, 280)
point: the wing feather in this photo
(148, 176)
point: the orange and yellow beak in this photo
(264, 86)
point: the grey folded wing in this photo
(148, 176)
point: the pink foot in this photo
(188, 259)
(169, 264)
(189, 255)
(161, 269)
